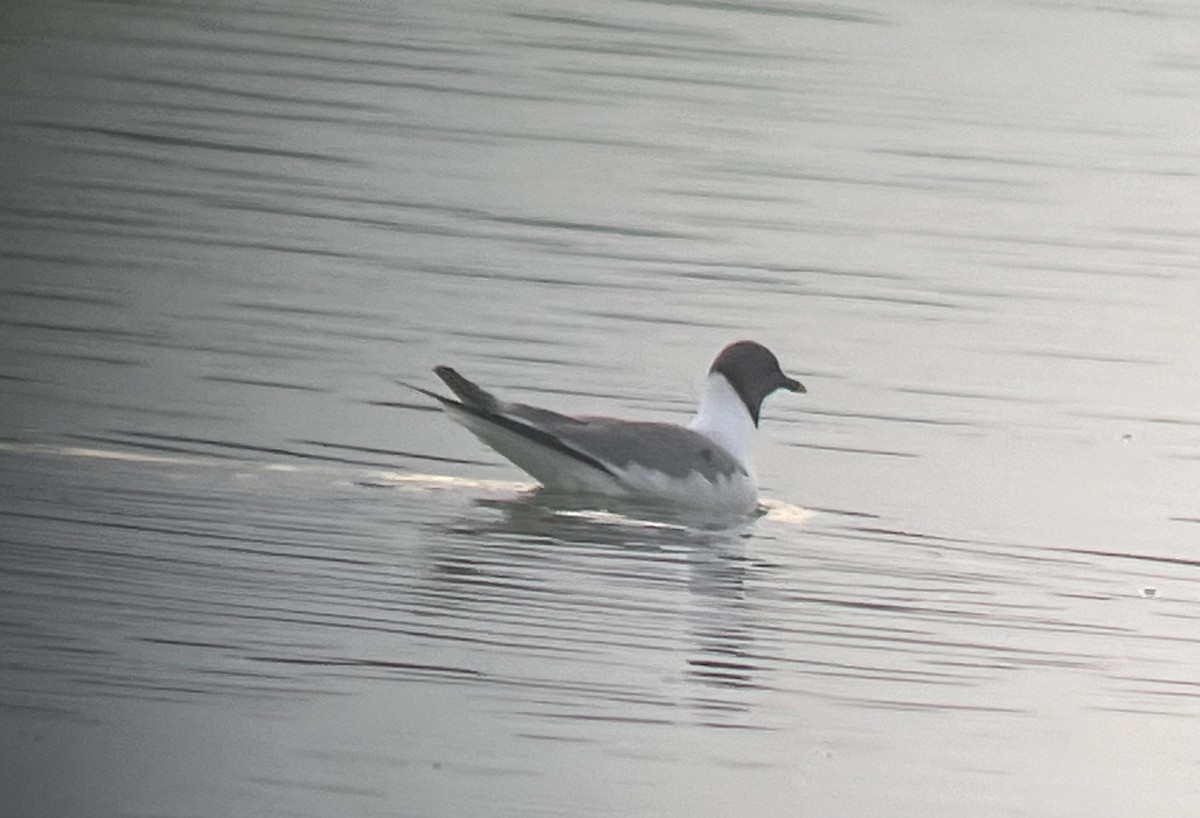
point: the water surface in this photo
(246, 572)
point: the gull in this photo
(705, 464)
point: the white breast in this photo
(724, 419)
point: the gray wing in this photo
(602, 443)
(664, 447)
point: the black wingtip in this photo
(470, 394)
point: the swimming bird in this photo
(705, 464)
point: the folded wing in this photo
(597, 453)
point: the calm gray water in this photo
(244, 572)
